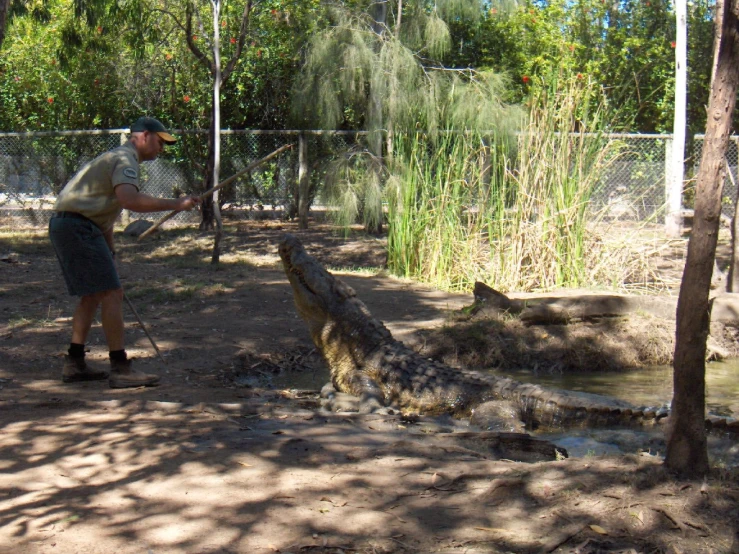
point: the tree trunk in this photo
(732, 280)
(207, 221)
(4, 7)
(686, 444)
(718, 22)
(303, 182)
(216, 128)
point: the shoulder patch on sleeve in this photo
(130, 172)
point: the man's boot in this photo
(76, 370)
(123, 376)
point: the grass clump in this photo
(468, 207)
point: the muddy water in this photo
(647, 387)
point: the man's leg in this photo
(83, 316)
(75, 368)
(122, 375)
(111, 314)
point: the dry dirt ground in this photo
(226, 456)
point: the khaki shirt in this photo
(91, 192)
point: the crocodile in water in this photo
(366, 361)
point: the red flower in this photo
(186, 98)
(572, 47)
(50, 100)
(274, 12)
(579, 75)
(223, 23)
(233, 40)
(525, 79)
(100, 29)
(195, 37)
(168, 57)
(673, 44)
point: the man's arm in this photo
(131, 199)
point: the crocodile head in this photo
(339, 323)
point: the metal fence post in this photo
(125, 214)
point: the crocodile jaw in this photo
(338, 322)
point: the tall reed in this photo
(437, 201)
(460, 210)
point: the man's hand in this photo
(187, 203)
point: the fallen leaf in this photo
(598, 529)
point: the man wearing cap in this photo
(81, 232)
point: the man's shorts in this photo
(83, 254)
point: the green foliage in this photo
(625, 47)
(135, 60)
(394, 78)
(353, 189)
(463, 208)
(104, 63)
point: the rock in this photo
(489, 299)
(725, 308)
(497, 415)
(137, 228)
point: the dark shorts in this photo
(86, 261)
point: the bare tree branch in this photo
(243, 30)
(199, 55)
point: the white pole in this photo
(673, 219)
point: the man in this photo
(81, 232)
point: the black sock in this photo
(118, 355)
(76, 350)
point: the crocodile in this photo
(366, 361)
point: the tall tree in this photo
(212, 62)
(380, 67)
(686, 444)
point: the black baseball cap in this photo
(154, 126)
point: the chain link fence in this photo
(633, 185)
(35, 166)
(728, 199)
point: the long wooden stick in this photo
(151, 340)
(219, 186)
